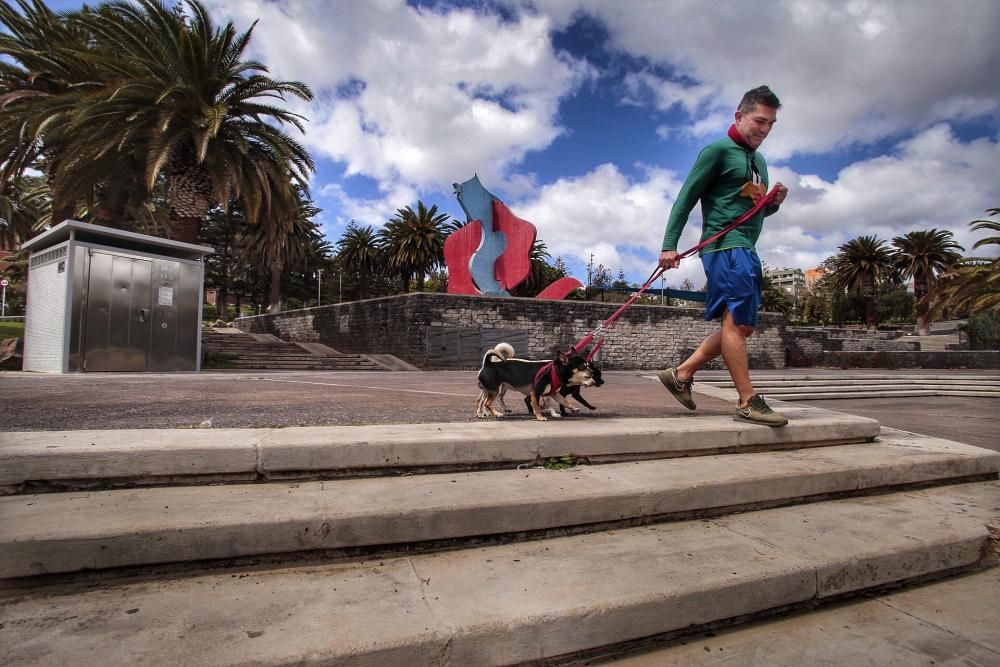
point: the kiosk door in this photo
(118, 313)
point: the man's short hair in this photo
(760, 95)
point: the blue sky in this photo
(585, 115)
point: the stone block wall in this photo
(891, 359)
(645, 337)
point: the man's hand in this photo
(780, 193)
(670, 259)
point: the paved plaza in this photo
(262, 399)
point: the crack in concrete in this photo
(258, 450)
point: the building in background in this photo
(812, 275)
(790, 281)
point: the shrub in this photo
(984, 331)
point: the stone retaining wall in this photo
(889, 359)
(646, 337)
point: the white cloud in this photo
(618, 220)
(430, 94)
(846, 72)
(930, 181)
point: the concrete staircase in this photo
(244, 351)
(452, 544)
(803, 387)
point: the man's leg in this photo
(734, 353)
(709, 349)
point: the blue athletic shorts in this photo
(735, 280)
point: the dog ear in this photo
(561, 357)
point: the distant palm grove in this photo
(149, 117)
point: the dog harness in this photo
(553, 377)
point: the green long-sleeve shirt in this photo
(715, 179)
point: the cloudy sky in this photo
(584, 116)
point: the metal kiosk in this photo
(104, 299)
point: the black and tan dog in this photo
(574, 391)
(499, 373)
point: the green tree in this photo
(773, 298)
(542, 272)
(44, 77)
(121, 98)
(413, 242)
(895, 303)
(973, 284)
(860, 266)
(359, 253)
(923, 256)
(226, 232)
(24, 202)
(283, 243)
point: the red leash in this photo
(659, 271)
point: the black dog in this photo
(498, 373)
(574, 391)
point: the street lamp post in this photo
(319, 287)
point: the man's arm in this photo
(697, 182)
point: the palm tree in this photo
(184, 102)
(923, 256)
(283, 242)
(43, 79)
(860, 265)
(414, 242)
(973, 284)
(23, 203)
(359, 252)
(773, 299)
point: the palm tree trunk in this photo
(868, 292)
(276, 269)
(921, 293)
(185, 229)
(363, 280)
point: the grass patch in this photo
(11, 330)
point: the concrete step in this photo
(85, 459)
(945, 622)
(821, 395)
(831, 387)
(67, 532)
(847, 382)
(820, 375)
(514, 603)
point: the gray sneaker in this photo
(680, 390)
(758, 412)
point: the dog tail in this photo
(502, 352)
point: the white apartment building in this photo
(791, 281)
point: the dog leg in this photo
(536, 409)
(489, 405)
(503, 403)
(564, 403)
